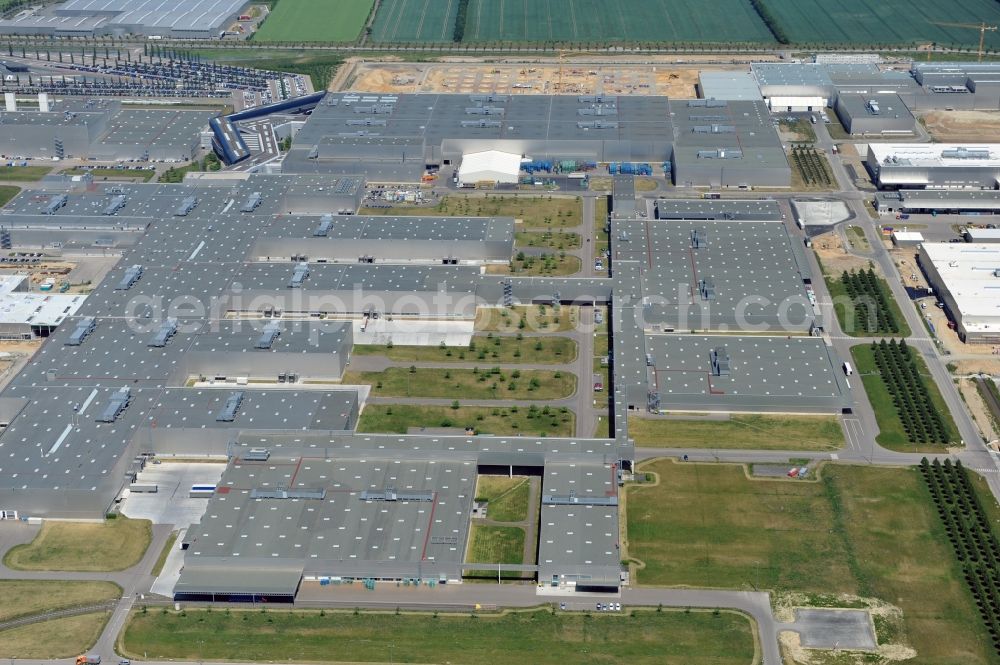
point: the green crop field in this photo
(614, 20)
(888, 22)
(315, 21)
(415, 21)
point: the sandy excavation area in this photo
(952, 126)
(510, 79)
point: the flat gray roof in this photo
(765, 373)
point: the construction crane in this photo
(983, 28)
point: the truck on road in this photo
(89, 659)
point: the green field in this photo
(315, 21)
(517, 638)
(501, 349)
(892, 434)
(614, 20)
(853, 320)
(496, 544)
(7, 192)
(58, 638)
(23, 173)
(508, 498)
(20, 598)
(415, 21)
(867, 23)
(486, 383)
(501, 421)
(537, 212)
(82, 546)
(867, 531)
(754, 432)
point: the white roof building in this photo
(934, 165)
(966, 277)
(489, 166)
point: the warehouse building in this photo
(728, 85)
(727, 144)
(423, 502)
(387, 239)
(396, 138)
(981, 235)
(882, 114)
(180, 19)
(938, 201)
(934, 165)
(102, 131)
(791, 88)
(964, 277)
(28, 315)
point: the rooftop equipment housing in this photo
(116, 404)
(84, 327)
(131, 276)
(229, 410)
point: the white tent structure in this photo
(489, 166)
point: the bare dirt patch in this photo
(830, 249)
(977, 407)
(537, 78)
(978, 126)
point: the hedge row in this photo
(871, 307)
(920, 418)
(971, 537)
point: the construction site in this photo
(571, 77)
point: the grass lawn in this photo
(508, 497)
(857, 236)
(538, 212)
(315, 21)
(162, 559)
(19, 598)
(749, 431)
(515, 638)
(59, 638)
(112, 545)
(23, 173)
(527, 319)
(860, 530)
(506, 350)
(460, 384)
(601, 240)
(501, 421)
(838, 293)
(891, 434)
(547, 239)
(548, 265)
(114, 174)
(7, 192)
(496, 544)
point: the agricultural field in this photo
(415, 21)
(613, 20)
(646, 637)
(863, 531)
(889, 22)
(315, 21)
(910, 411)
